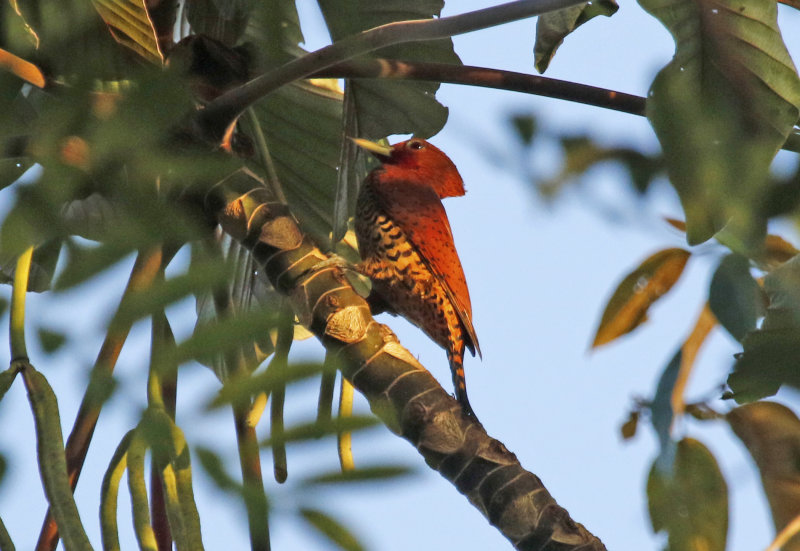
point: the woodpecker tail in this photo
(456, 359)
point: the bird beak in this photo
(382, 152)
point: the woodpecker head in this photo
(418, 160)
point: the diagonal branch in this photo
(220, 112)
(399, 389)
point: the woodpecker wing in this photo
(416, 208)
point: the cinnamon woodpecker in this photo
(407, 248)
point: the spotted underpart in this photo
(405, 280)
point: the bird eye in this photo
(416, 144)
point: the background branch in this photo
(220, 112)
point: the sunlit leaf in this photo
(721, 109)
(400, 107)
(332, 529)
(735, 297)
(690, 501)
(771, 433)
(239, 390)
(130, 25)
(25, 70)
(627, 308)
(554, 26)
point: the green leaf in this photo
(735, 297)
(769, 356)
(525, 127)
(332, 529)
(627, 308)
(361, 474)
(554, 26)
(314, 430)
(51, 340)
(690, 502)
(721, 109)
(382, 107)
(241, 389)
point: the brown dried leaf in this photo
(628, 306)
(771, 433)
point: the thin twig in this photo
(221, 111)
(144, 272)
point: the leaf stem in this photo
(17, 327)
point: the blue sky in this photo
(539, 277)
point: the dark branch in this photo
(487, 78)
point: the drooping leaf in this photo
(384, 108)
(771, 433)
(332, 529)
(627, 308)
(690, 501)
(352, 167)
(769, 356)
(721, 109)
(302, 128)
(662, 412)
(554, 26)
(735, 297)
(243, 291)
